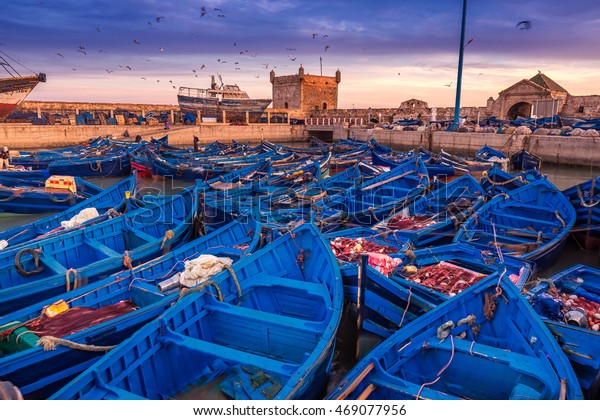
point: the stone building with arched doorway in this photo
(537, 97)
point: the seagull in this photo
(449, 84)
(325, 36)
(257, 76)
(194, 70)
(60, 55)
(217, 9)
(108, 71)
(202, 11)
(127, 67)
(143, 78)
(291, 49)
(161, 49)
(135, 41)
(293, 59)
(314, 36)
(220, 16)
(326, 48)
(526, 24)
(81, 51)
(102, 51)
(98, 29)
(468, 42)
(202, 66)
(159, 18)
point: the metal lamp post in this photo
(454, 125)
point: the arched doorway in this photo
(519, 110)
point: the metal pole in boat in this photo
(454, 125)
(360, 299)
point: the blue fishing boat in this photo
(569, 304)
(532, 223)
(433, 218)
(116, 163)
(374, 200)
(78, 323)
(585, 198)
(489, 154)
(41, 196)
(264, 331)
(19, 172)
(349, 244)
(524, 160)
(438, 273)
(462, 164)
(42, 269)
(451, 352)
(108, 202)
(496, 181)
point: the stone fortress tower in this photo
(304, 92)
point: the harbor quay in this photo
(560, 150)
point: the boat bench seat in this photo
(102, 248)
(527, 365)
(409, 389)
(311, 288)
(140, 234)
(229, 353)
(527, 219)
(266, 319)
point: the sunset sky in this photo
(388, 51)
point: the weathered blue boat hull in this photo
(289, 291)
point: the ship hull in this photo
(13, 91)
(210, 107)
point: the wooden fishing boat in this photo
(496, 181)
(532, 223)
(451, 352)
(20, 172)
(489, 154)
(107, 203)
(44, 268)
(464, 165)
(35, 196)
(585, 198)
(265, 331)
(524, 160)
(384, 156)
(381, 246)
(111, 164)
(438, 273)
(569, 304)
(433, 218)
(101, 315)
(374, 200)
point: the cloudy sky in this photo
(387, 50)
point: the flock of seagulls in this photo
(218, 12)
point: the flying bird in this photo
(159, 18)
(257, 76)
(102, 51)
(325, 36)
(314, 36)
(202, 66)
(98, 29)
(127, 67)
(220, 16)
(60, 55)
(81, 47)
(81, 51)
(161, 49)
(109, 71)
(449, 84)
(326, 47)
(202, 11)
(135, 41)
(468, 42)
(143, 78)
(526, 24)
(217, 9)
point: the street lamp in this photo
(454, 125)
